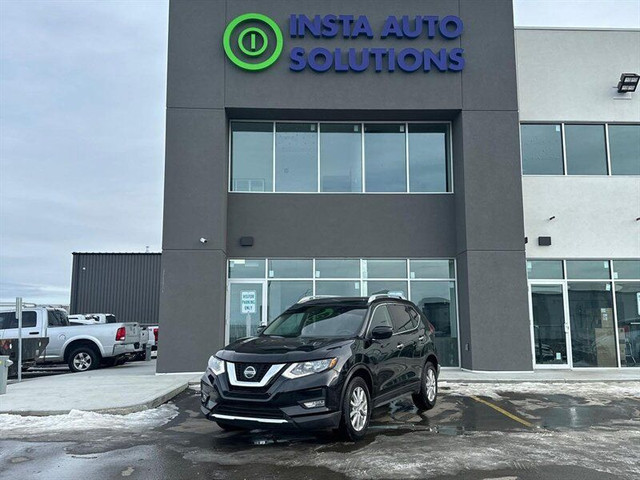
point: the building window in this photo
(624, 148)
(547, 269)
(296, 157)
(428, 165)
(603, 304)
(429, 283)
(340, 157)
(252, 153)
(542, 150)
(598, 149)
(585, 149)
(327, 157)
(385, 158)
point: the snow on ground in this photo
(18, 426)
(595, 390)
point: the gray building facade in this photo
(475, 223)
(124, 284)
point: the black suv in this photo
(325, 363)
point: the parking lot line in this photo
(504, 412)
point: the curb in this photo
(153, 403)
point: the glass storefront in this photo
(261, 289)
(591, 306)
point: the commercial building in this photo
(356, 147)
(124, 284)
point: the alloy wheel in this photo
(82, 361)
(432, 386)
(359, 408)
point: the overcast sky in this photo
(82, 98)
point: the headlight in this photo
(216, 365)
(297, 370)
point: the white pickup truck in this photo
(136, 351)
(82, 347)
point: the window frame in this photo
(565, 280)
(563, 124)
(448, 150)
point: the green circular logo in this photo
(252, 41)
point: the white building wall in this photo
(595, 217)
(568, 76)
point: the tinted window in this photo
(57, 318)
(380, 318)
(588, 269)
(290, 268)
(541, 149)
(428, 160)
(9, 320)
(340, 158)
(385, 167)
(318, 321)
(401, 319)
(586, 152)
(296, 157)
(340, 268)
(629, 269)
(624, 148)
(246, 268)
(111, 319)
(549, 269)
(251, 157)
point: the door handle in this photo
(400, 346)
(33, 333)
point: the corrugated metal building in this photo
(125, 284)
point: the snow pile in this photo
(595, 390)
(78, 420)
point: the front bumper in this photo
(277, 405)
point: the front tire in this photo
(356, 410)
(426, 398)
(83, 359)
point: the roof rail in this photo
(385, 295)
(315, 297)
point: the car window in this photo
(57, 318)
(401, 319)
(9, 320)
(380, 317)
(415, 316)
(111, 319)
(318, 321)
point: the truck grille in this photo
(260, 369)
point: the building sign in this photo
(248, 301)
(254, 42)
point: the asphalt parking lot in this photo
(513, 436)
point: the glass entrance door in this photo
(245, 308)
(550, 325)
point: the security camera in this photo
(203, 240)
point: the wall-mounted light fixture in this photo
(628, 82)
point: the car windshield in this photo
(318, 321)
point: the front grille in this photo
(260, 368)
(256, 411)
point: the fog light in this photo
(314, 404)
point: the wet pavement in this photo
(512, 437)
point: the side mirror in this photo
(260, 329)
(381, 332)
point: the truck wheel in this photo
(82, 359)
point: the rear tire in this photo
(356, 410)
(83, 359)
(426, 398)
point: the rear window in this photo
(58, 318)
(111, 319)
(9, 320)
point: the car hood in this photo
(267, 349)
